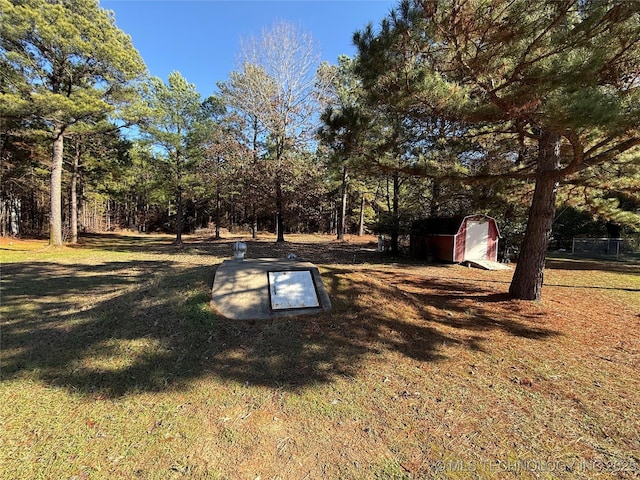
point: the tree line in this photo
(503, 107)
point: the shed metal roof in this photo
(438, 225)
(443, 225)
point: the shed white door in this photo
(476, 240)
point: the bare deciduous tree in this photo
(276, 89)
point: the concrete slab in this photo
(241, 288)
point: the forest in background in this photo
(527, 113)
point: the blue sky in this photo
(201, 38)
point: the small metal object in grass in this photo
(239, 249)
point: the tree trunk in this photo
(254, 149)
(108, 215)
(395, 228)
(254, 226)
(55, 189)
(3, 218)
(342, 213)
(179, 211)
(528, 276)
(73, 201)
(178, 240)
(217, 213)
(361, 223)
(435, 198)
(279, 208)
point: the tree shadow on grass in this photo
(326, 250)
(126, 327)
(448, 302)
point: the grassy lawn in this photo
(114, 366)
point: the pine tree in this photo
(66, 61)
(557, 77)
(177, 116)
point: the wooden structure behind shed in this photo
(455, 239)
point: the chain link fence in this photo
(612, 248)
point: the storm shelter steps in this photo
(262, 288)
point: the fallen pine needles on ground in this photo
(114, 366)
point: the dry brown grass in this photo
(114, 367)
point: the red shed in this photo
(456, 239)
